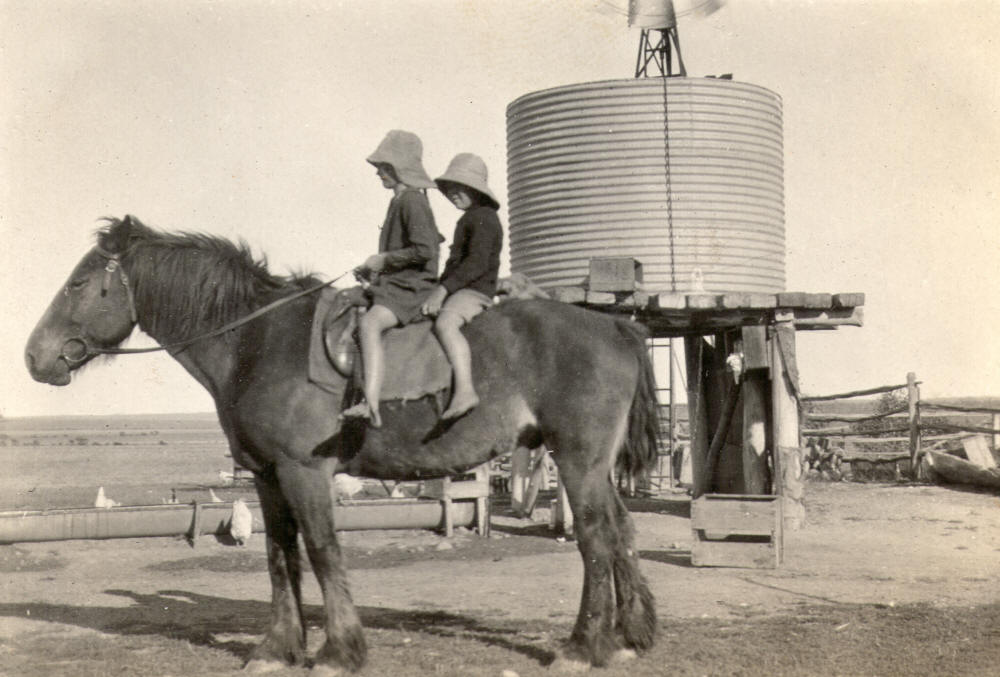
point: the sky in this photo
(251, 119)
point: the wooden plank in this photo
(978, 451)
(848, 300)
(819, 318)
(671, 301)
(568, 294)
(818, 301)
(762, 301)
(747, 300)
(800, 299)
(703, 301)
(791, 299)
(736, 514)
(600, 298)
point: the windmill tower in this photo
(659, 44)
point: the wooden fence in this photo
(918, 432)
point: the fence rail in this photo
(912, 409)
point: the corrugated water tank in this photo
(685, 175)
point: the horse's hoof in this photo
(259, 666)
(568, 665)
(622, 656)
(324, 670)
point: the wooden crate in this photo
(614, 274)
(736, 530)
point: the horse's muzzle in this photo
(57, 373)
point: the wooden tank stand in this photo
(742, 379)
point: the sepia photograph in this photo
(500, 338)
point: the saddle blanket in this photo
(415, 363)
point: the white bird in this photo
(103, 501)
(240, 522)
(213, 497)
(346, 485)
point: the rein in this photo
(114, 263)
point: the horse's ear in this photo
(117, 236)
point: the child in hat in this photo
(469, 280)
(404, 271)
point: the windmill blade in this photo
(706, 7)
(659, 14)
(646, 14)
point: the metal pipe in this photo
(23, 526)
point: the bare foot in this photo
(460, 405)
(362, 410)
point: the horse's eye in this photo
(78, 284)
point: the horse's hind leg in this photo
(591, 497)
(308, 491)
(285, 640)
(636, 607)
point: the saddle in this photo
(415, 363)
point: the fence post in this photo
(913, 399)
(996, 436)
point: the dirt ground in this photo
(882, 580)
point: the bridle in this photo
(113, 263)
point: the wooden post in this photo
(697, 417)
(449, 517)
(787, 454)
(483, 502)
(672, 413)
(520, 474)
(756, 365)
(913, 399)
(755, 473)
(996, 436)
(564, 514)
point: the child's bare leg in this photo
(370, 328)
(463, 398)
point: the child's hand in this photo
(432, 306)
(374, 263)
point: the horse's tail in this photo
(642, 442)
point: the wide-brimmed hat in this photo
(468, 170)
(404, 152)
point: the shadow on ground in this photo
(236, 625)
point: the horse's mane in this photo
(190, 283)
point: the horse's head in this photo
(94, 310)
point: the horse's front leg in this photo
(285, 640)
(308, 490)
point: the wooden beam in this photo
(697, 415)
(848, 300)
(818, 318)
(785, 439)
(913, 398)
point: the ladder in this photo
(661, 354)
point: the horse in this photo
(547, 372)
